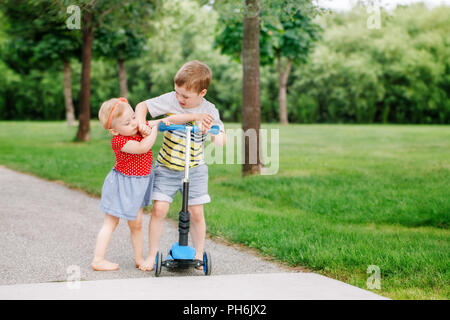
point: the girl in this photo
(127, 187)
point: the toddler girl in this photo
(127, 187)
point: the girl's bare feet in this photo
(104, 265)
(148, 264)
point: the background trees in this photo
(395, 74)
(38, 39)
(287, 34)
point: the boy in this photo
(185, 104)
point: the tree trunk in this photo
(123, 78)
(251, 107)
(70, 114)
(85, 95)
(283, 73)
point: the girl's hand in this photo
(145, 130)
(166, 122)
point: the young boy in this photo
(185, 104)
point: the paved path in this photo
(46, 229)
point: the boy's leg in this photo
(155, 228)
(99, 263)
(137, 238)
(198, 229)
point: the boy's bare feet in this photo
(138, 263)
(104, 265)
(148, 264)
(201, 259)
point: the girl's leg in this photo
(137, 238)
(155, 228)
(99, 263)
(198, 229)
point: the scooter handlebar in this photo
(162, 127)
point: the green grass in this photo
(345, 197)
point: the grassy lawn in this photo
(345, 197)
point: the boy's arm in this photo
(136, 147)
(141, 114)
(187, 117)
(220, 139)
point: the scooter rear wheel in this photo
(158, 261)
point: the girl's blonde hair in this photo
(105, 111)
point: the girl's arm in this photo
(141, 113)
(136, 147)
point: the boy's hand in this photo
(155, 123)
(205, 122)
(166, 122)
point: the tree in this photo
(121, 45)
(94, 15)
(292, 44)
(54, 47)
(287, 35)
(39, 39)
(251, 107)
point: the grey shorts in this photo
(167, 182)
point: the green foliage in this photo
(397, 74)
(123, 33)
(37, 35)
(121, 44)
(173, 45)
(290, 34)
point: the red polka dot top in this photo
(128, 163)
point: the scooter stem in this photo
(184, 218)
(187, 159)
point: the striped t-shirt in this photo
(172, 152)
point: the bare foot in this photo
(201, 259)
(138, 263)
(104, 265)
(148, 264)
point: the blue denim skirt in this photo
(123, 196)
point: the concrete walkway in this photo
(266, 286)
(47, 238)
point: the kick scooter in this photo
(181, 255)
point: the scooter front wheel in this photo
(207, 263)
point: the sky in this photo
(388, 4)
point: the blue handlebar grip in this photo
(162, 127)
(215, 130)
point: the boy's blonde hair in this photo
(193, 75)
(106, 108)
